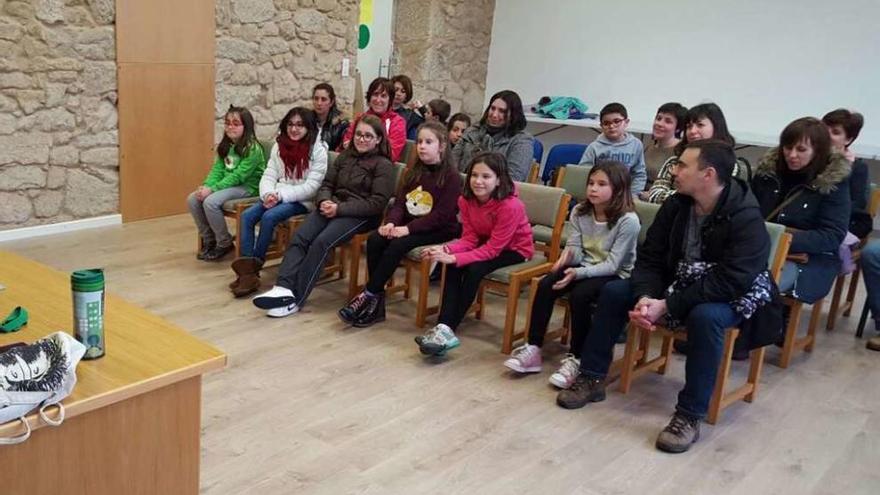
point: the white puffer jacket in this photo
(290, 189)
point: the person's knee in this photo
(707, 322)
(214, 202)
(871, 257)
(192, 200)
(616, 292)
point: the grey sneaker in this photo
(585, 389)
(679, 434)
(437, 341)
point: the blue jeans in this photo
(705, 324)
(268, 219)
(870, 263)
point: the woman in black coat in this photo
(803, 185)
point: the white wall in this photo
(764, 62)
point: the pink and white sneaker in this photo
(525, 359)
(565, 375)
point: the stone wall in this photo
(443, 45)
(58, 120)
(270, 53)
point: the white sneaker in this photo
(525, 359)
(437, 340)
(565, 375)
(276, 297)
(283, 311)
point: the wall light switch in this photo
(345, 67)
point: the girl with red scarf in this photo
(380, 95)
(296, 168)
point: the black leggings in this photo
(583, 293)
(384, 255)
(463, 282)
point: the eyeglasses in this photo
(364, 136)
(296, 125)
(232, 124)
(612, 123)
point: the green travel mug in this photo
(88, 310)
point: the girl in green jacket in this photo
(236, 174)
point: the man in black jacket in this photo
(705, 249)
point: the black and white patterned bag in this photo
(37, 376)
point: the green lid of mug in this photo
(90, 280)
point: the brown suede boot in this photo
(237, 266)
(249, 276)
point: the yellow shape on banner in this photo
(366, 12)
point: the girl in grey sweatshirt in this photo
(601, 247)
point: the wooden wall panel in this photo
(165, 31)
(166, 118)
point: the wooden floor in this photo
(310, 406)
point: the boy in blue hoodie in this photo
(614, 143)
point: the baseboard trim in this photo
(59, 228)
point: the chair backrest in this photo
(537, 150)
(561, 155)
(533, 173)
(546, 206)
(408, 155)
(646, 213)
(399, 167)
(780, 241)
(573, 178)
(874, 200)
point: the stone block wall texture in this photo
(58, 120)
(270, 53)
(443, 45)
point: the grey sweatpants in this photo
(208, 214)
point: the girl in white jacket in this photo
(296, 168)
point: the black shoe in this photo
(585, 389)
(218, 252)
(679, 434)
(350, 312)
(207, 247)
(373, 312)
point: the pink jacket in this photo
(395, 127)
(490, 228)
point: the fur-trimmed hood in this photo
(837, 170)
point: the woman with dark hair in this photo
(502, 130)
(495, 233)
(331, 123)
(403, 93)
(236, 174)
(297, 164)
(844, 127)
(804, 185)
(704, 121)
(666, 133)
(379, 96)
(351, 199)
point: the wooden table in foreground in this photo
(133, 421)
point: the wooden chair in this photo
(846, 307)
(409, 153)
(636, 362)
(545, 206)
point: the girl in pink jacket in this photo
(495, 233)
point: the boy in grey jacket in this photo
(615, 144)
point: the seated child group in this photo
(702, 264)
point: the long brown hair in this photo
(805, 129)
(382, 148)
(414, 173)
(498, 165)
(621, 199)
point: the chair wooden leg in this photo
(665, 350)
(835, 302)
(644, 344)
(756, 364)
(407, 279)
(629, 358)
(481, 293)
(794, 321)
(533, 289)
(851, 294)
(715, 404)
(509, 338)
(815, 314)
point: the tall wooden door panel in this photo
(166, 115)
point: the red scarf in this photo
(294, 154)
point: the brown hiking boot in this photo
(679, 434)
(873, 344)
(248, 270)
(584, 390)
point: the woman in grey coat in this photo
(500, 130)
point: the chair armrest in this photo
(801, 258)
